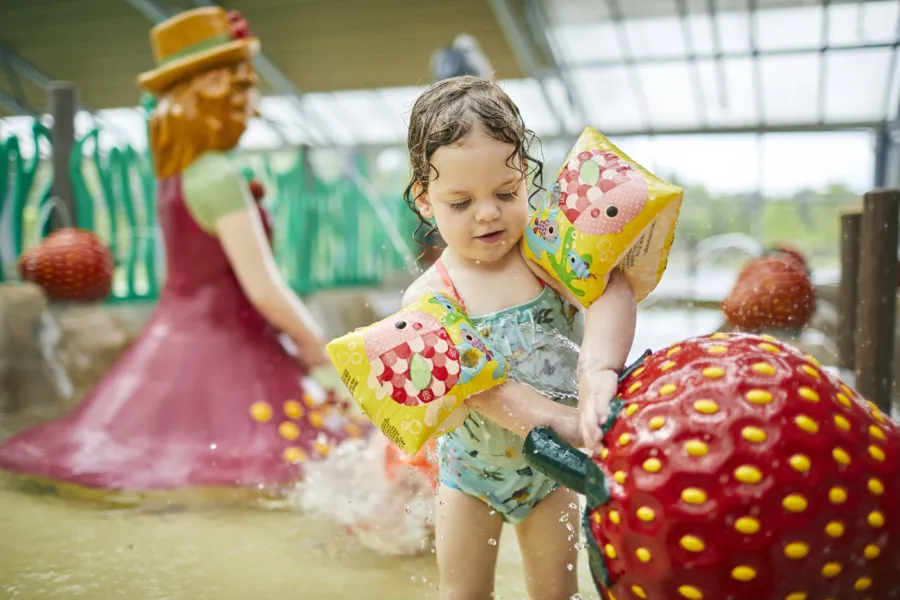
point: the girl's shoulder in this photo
(429, 281)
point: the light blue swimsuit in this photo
(480, 458)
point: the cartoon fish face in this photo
(601, 193)
(445, 302)
(413, 359)
(579, 265)
(473, 339)
(547, 229)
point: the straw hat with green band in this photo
(195, 41)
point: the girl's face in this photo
(478, 201)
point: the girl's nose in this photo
(487, 211)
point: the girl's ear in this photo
(422, 201)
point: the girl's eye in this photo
(511, 196)
(460, 205)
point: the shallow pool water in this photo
(54, 548)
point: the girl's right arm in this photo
(520, 409)
(513, 406)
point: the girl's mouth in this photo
(491, 238)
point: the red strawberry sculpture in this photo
(772, 291)
(71, 265)
(791, 252)
(737, 469)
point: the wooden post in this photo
(876, 318)
(848, 291)
(63, 106)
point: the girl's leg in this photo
(549, 546)
(466, 556)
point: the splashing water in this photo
(351, 488)
(546, 362)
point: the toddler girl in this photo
(470, 156)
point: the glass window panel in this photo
(723, 162)
(856, 83)
(287, 118)
(527, 95)
(700, 28)
(893, 99)
(789, 28)
(586, 43)
(670, 95)
(655, 37)
(569, 112)
(790, 88)
(607, 97)
(734, 31)
(794, 161)
(320, 109)
(729, 99)
(400, 100)
(259, 136)
(862, 22)
(369, 116)
(575, 11)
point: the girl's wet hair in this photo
(445, 113)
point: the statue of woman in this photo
(207, 396)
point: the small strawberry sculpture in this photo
(738, 469)
(256, 189)
(772, 291)
(71, 265)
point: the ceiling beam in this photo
(630, 64)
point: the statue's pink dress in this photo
(206, 396)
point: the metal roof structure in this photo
(627, 67)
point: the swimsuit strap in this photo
(445, 277)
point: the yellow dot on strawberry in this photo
(615, 517)
(657, 423)
(316, 419)
(841, 423)
(707, 407)
(634, 387)
(293, 409)
(294, 455)
(673, 350)
(758, 397)
(862, 584)
(652, 465)
(717, 350)
(666, 365)
(831, 569)
(631, 409)
(719, 336)
(835, 529)
(747, 525)
(844, 400)
(805, 423)
(611, 552)
(747, 474)
(322, 448)
(875, 519)
(753, 434)
(646, 514)
(692, 544)
(769, 348)
(875, 486)
(696, 448)
(743, 573)
(694, 496)
(764, 368)
(837, 495)
(795, 503)
(624, 439)
(796, 596)
(667, 389)
(690, 592)
(876, 433)
(713, 372)
(620, 477)
(261, 412)
(638, 591)
(637, 372)
(876, 453)
(810, 371)
(808, 394)
(841, 456)
(643, 555)
(289, 430)
(872, 552)
(796, 550)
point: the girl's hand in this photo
(596, 390)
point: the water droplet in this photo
(654, 452)
(570, 566)
(492, 542)
(213, 446)
(408, 510)
(564, 518)
(573, 506)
